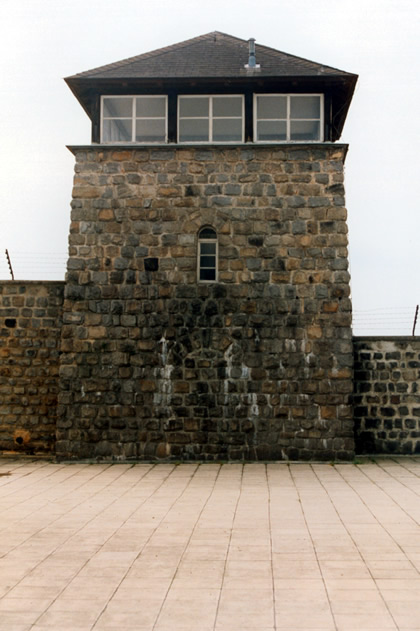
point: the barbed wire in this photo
(29, 265)
(384, 320)
(52, 266)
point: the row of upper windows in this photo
(212, 118)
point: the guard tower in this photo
(207, 306)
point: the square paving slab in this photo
(209, 547)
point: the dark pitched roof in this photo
(212, 55)
(210, 62)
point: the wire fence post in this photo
(415, 319)
(10, 264)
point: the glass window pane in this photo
(304, 130)
(227, 106)
(304, 107)
(207, 274)
(116, 130)
(271, 107)
(208, 248)
(227, 129)
(194, 107)
(117, 107)
(207, 233)
(151, 106)
(207, 261)
(151, 130)
(271, 130)
(194, 130)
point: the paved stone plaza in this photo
(210, 547)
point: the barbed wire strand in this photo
(378, 319)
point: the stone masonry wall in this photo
(387, 394)
(155, 365)
(30, 317)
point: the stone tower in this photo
(207, 311)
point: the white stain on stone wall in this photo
(163, 396)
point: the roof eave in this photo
(259, 74)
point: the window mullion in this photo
(133, 117)
(210, 119)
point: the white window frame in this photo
(201, 241)
(288, 118)
(210, 118)
(133, 118)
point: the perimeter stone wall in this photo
(155, 365)
(387, 394)
(386, 384)
(30, 319)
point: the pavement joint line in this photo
(324, 546)
(156, 490)
(356, 546)
(228, 547)
(313, 545)
(57, 519)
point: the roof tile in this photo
(212, 55)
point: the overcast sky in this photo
(42, 41)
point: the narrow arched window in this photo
(207, 255)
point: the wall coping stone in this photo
(204, 147)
